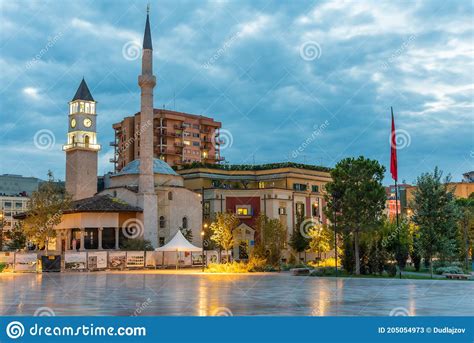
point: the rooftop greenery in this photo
(252, 166)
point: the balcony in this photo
(170, 151)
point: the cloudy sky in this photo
(305, 81)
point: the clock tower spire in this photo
(81, 147)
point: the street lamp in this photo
(202, 244)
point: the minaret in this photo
(81, 148)
(146, 183)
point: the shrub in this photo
(391, 269)
(328, 262)
(136, 244)
(233, 267)
(323, 271)
(449, 270)
(2, 267)
(256, 264)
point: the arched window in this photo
(162, 222)
(185, 223)
(170, 195)
(86, 141)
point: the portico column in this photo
(116, 238)
(68, 239)
(99, 245)
(59, 240)
(82, 248)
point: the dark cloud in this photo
(241, 62)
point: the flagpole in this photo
(396, 212)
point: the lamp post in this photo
(202, 252)
(335, 197)
(1, 230)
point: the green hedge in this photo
(252, 166)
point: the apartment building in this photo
(179, 138)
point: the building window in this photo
(315, 188)
(207, 208)
(299, 209)
(161, 241)
(243, 210)
(316, 209)
(170, 195)
(185, 223)
(282, 211)
(300, 187)
(196, 144)
(162, 222)
(261, 184)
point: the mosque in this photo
(145, 199)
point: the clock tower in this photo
(81, 148)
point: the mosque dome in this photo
(159, 167)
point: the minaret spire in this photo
(146, 179)
(147, 36)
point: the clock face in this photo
(73, 123)
(87, 122)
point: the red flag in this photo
(393, 151)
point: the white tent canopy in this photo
(178, 243)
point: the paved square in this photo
(156, 293)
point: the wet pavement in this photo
(196, 294)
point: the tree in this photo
(271, 239)
(45, 210)
(187, 233)
(466, 225)
(361, 198)
(436, 215)
(320, 238)
(16, 237)
(136, 244)
(222, 230)
(398, 240)
(298, 242)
